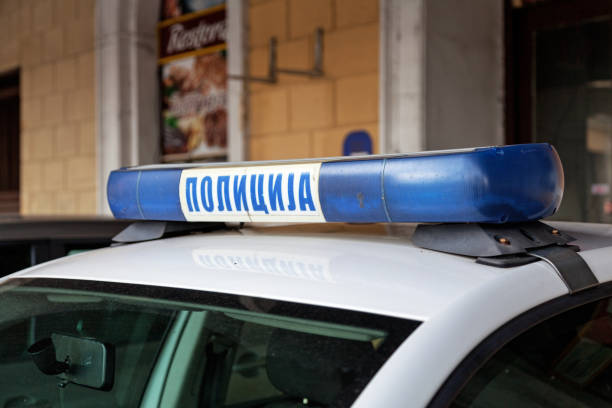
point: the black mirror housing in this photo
(82, 361)
(43, 355)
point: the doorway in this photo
(9, 142)
(559, 90)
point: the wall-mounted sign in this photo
(192, 34)
(192, 56)
(357, 143)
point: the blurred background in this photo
(87, 86)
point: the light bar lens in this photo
(491, 185)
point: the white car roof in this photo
(368, 268)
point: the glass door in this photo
(563, 88)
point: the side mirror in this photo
(82, 361)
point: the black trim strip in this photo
(462, 374)
(240, 302)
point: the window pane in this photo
(135, 332)
(562, 362)
(184, 348)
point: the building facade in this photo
(310, 117)
(51, 46)
(298, 78)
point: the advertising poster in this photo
(193, 61)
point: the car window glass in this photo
(135, 334)
(563, 361)
(261, 360)
(184, 348)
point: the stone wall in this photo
(52, 43)
(309, 117)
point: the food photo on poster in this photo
(175, 8)
(194, 99)
(193, 70)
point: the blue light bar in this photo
(490, 185)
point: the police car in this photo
(386, 281)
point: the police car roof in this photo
(371, 268)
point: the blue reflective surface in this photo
(145, 194)
(492, 185)
(495, 185)
(351, 191)
(122, 194)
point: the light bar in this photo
(490, 185)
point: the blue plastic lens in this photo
(145, 194)
(491, 185)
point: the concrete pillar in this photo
(464, 59)
(402, 76)
(127, 97)
(442, 67)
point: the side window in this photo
(564, 361)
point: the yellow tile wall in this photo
(309, 117)
(52, 42)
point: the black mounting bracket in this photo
(508, 245)
(274, 70)
(571, 268)
(140, 231)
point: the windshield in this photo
(74, 343)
